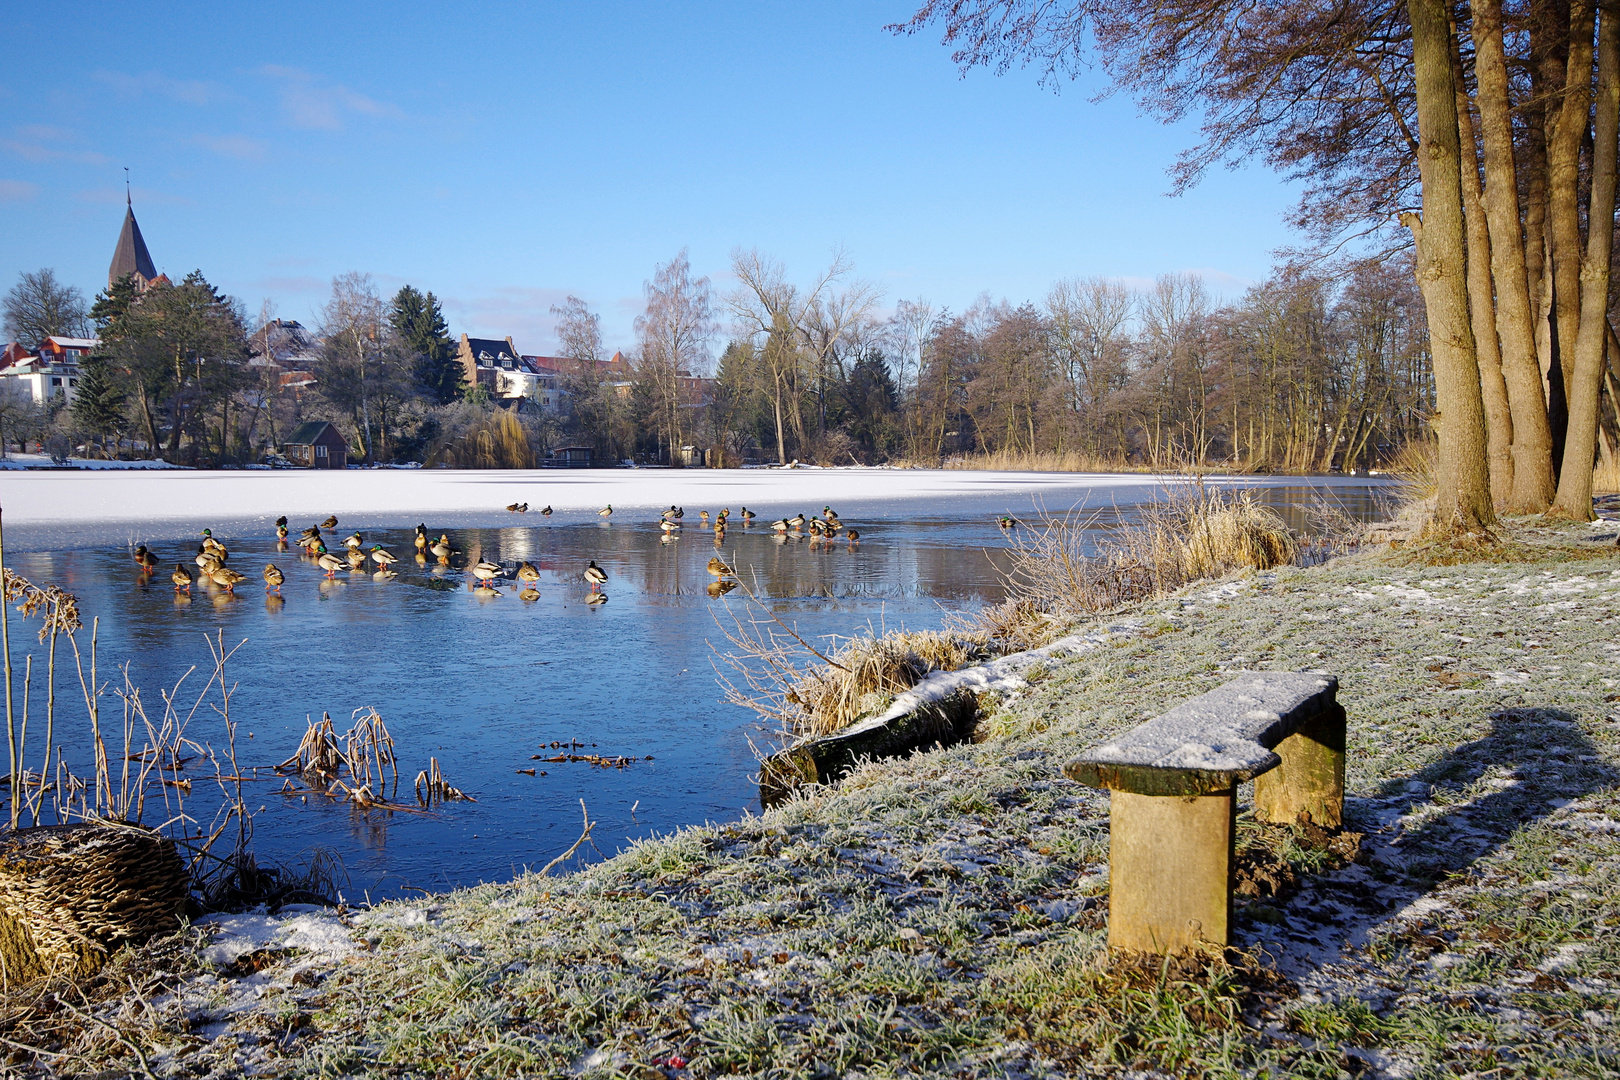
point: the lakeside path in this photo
(72, 509)
(946, 914)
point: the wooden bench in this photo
(1173, 786)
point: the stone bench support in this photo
(1173, 786)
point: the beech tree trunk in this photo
(1481, 303)
(1565, 133)
(1586, 367)
(1464, 497)
(1515, 320)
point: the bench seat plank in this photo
(1212, 742)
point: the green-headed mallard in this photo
(330, 523)
(181, 577)
(605, 512)
(329, 562)
(382, 556)
(227, 578)
(669, 526)
(353, 540)
(528, 573)
(441, 548)
(145, 559)
(518, 508)
(595, 575)
(747, 515)
(1006, 522)
(818, 527)
(780, 525)
(670, 514)
(796, 522)
(547, 511)
(720, 569)
(486, 571)
(281, 529)
(720, 518)
(273, 577)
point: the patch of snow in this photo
(1564, 956)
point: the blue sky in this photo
(504, 156)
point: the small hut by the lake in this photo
(316, 444)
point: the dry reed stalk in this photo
(1072, 461)
(432, 787)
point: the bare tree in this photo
(354, 343)
(39, 306)
(1088, 319)
(674, 330)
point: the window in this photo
(73, 382)
(56, 382)
(320, 451)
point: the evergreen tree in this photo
(418, 322)
(99, 399)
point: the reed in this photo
(1073, 461)
(432, 787)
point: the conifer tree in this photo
(418, 322)
(99, 400)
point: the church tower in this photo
(131, 256)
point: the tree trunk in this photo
(1575, 479)
(1499, 432)
(1515, 321)
(1566, 132)
(1464, 498)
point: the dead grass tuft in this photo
(1061, 570)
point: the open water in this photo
(487, 684)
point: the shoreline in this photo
(945, 912)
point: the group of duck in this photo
(826, 527)
(212, 557)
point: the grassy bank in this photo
(946, 914)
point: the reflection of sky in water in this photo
(484, 683)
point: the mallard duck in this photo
(818, 527)
(227, 578)
(311, 543)
(827, 515)
(796, 522)
(181, 577)
(853, 537)
(669, 526)
(606, 511)
(546, 511)
(382, 557)
(595, 575)
(208, 561)
(1006, 522)
(353, 540)
(328, 561)
(441, 548)
(145, 559)
(273, 577)
(209, 542)
(518, 508)
(355, 557)
(720, 518)
(669, 515)
(703, 516)
(421, 540)
(720, 569)
(486, 571)
(747, 515)
(313, 530)
(330, 523)
(780, 525)
(281, 529)
(528, 573)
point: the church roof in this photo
(131, 256)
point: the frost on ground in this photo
(946, 914)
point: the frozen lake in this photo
(484, 683)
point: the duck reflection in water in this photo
(273, 603)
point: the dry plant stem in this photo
(146, 1068)
(5, 646)
(19, 781)
(583, 836)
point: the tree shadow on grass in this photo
(1426, 828)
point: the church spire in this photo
(131, 256)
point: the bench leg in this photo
(1311, 776)
(1169, 870)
